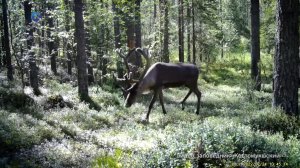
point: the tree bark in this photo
(286, 61)
(6, 42)
(3, 61)
(117, 36)
(81, 54)
(51, 40)
(255, 44)
(91, 78)
(166, 32)
(68, 46)
(188, 11)
(138, 31)
(193, 33)
(34, 81)
(134, 58)
(222, 41)
(106, 47)
(180, 31)
(130, 26)
(117, 32)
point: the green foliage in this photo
(275, 121)
(230, 71)
(110, 161)
(229, 123)
(238, 14)
(23, 130)
(267, 28)
(217, 136)
(106, 99)
(17, 99)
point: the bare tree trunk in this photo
(130, 26)
(3, 61)
(135, 59)
(155, 18)
(106, 44)
(1, 50)
(91, 78)
(117, 35)
(222, 41)
(180, 31)
(51, 43)
(166, 32)
(161, 28)
(117, 31)
(193, 33)
(188, 11)
(286, 72)
(255, 47)
(34, 80)
(68, 46)
(81, 54)
(138, 31)
(6, 42)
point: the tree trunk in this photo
(286, 59)
(117, 36)
(222, 41)
(51, 40)
(138, 31)
(161, 29)
(34, 81)
(130, 29)
(91, 78)
(105, 46)
(2, 42)
(69, 46)
(81, 54)
(154, 19)
(117, 32)
(180, 31)
(255, 47)
(193, 33)
(166, 32)
(135, 59)
(1, 32)
(188, 11)
(6, 42)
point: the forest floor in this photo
(235, 122)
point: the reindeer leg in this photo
(151, 105)
(183, 101)
(160, 93)
(198, 93)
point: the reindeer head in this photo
(131, 92)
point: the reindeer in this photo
(157, 77)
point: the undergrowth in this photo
(235, 120)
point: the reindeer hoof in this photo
(182, 106)
(145, 121)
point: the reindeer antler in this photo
(145, 53)
(128, 76)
